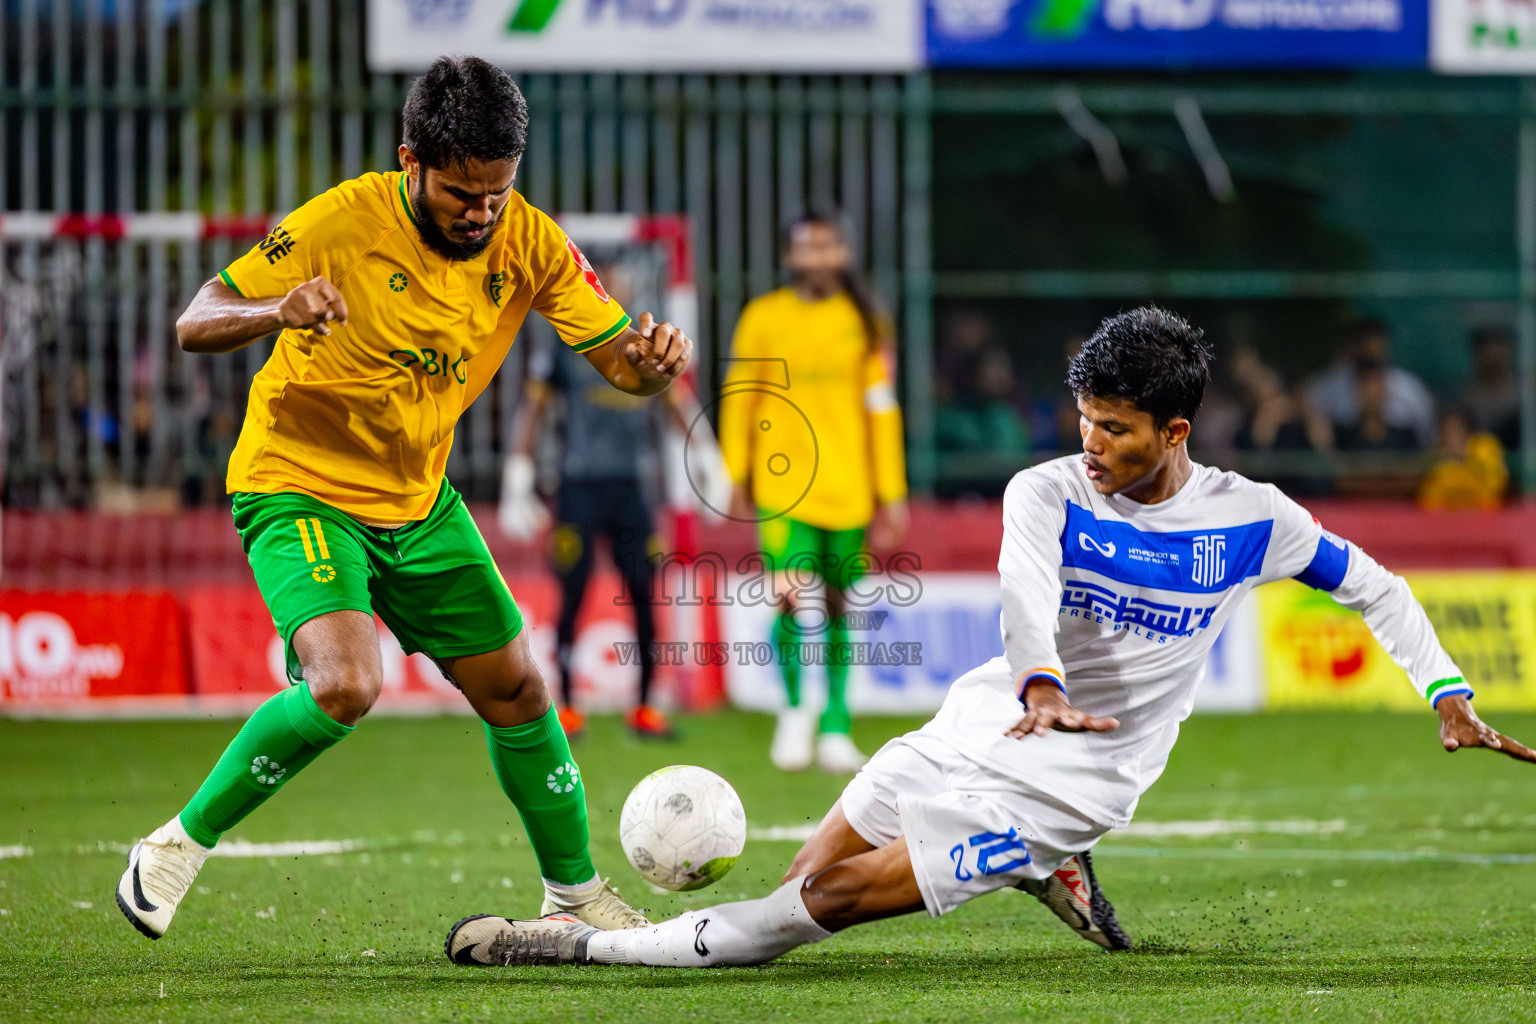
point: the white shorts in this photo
(969, 829)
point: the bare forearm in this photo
(610, 361)
(219, 319)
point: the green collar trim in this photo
(405, 202)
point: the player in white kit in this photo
(1119, 569)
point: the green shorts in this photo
(433, 582)
(801, 549)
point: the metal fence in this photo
(240, 110)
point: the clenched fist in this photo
(312, 305)
(658, 351)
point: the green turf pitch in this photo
(1287, 867)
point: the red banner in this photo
(61, 650)
(236, 651)
(65, 646)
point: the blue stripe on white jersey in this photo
(1204, 561)
(1329, 564)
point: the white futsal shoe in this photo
(601, 907)
(836, 753)
(1073, 894)
(486, 940)
(161, 868)
(794, 740)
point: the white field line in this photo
(1214, 827)
(781, 833)
(1380, 856)
(15, 851)
(1149, 829)
(1222, 827)
(294, 848)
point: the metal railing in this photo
(240, 110)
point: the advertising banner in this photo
(1320, 655)
(236, 652)
(650, 35)
(926, 631)
(1178, 33)
(1483, 37)
(66, 647)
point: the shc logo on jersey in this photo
(1106, 549)
(586, 270)
(1210, 562)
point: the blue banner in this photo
(1178, 33)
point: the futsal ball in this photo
(683, 827)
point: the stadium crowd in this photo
(1363, 426)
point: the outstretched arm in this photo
(645, 358)
(220, 319)
(1396, 620)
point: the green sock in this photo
(786, 647)
(836, 717)
(535, 768)
(275, 744)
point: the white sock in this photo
(569, 897)
(735, 934)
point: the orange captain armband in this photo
(1048, 674)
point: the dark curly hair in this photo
(1150, 356)
(462, 109)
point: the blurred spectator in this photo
(1373, 429)
(1491, 402)
(966, 333)
(1470, 472)
(1405, 403)
(981, 418)
(1279, 417)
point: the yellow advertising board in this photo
(1318, 654)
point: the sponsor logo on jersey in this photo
(587, 271)
(1106, 549)
(276, 245)
(1082, 599)
(1175, 561)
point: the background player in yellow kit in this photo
(817, 464)
(398, 296)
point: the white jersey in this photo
(1119, 602)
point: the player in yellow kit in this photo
(398, 296)
(811, 435)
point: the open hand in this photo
(312, 305)
(1460, 727)
(1046, 708)
(658, 351)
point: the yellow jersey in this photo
(808, 412)
(363, 419)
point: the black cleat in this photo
(1073, 894)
